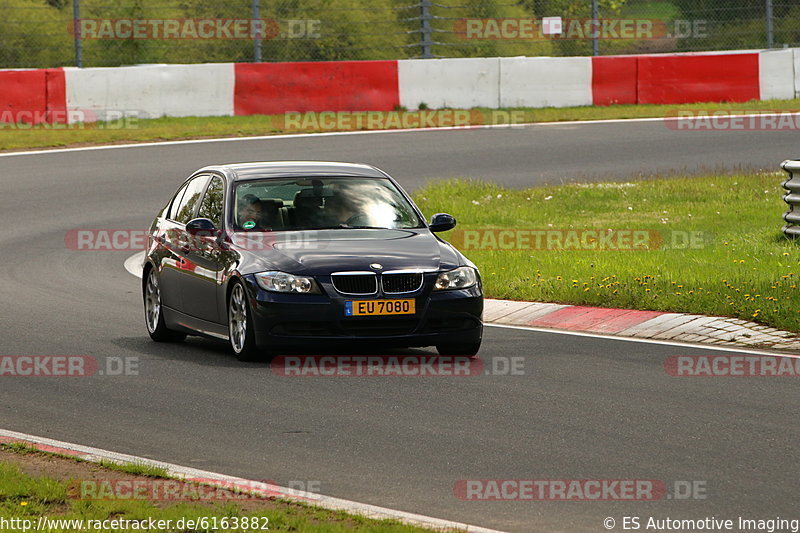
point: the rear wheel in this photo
(240, 325)
(153, 317)
(467, 350)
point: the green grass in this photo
(18, 490)
(748, 269)
(18, 447)
(137, 469)
(26, 497)
(14, 137)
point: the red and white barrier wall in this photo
(272, 88)
(32, 96)
(227, 89)
(574, 81)
(775, 69)
(151, 90)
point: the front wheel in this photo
(240, 325)
(467, 350)
(153, 316)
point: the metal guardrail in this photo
(792, 186)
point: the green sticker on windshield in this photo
(249, 225)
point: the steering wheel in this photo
(359, 219)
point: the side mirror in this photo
(442, 222)
(202, 227)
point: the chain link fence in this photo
(93, 33)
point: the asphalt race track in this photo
(518, 157)
(585, 408)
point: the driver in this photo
(342, 210)
(250, 210)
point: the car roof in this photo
(274, 169)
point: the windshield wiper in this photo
(339, 226)
(348, 226)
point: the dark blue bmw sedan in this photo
(275, 255)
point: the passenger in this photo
(250, 211)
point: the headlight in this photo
(283, 282)
(459, 278)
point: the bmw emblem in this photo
(376, 266)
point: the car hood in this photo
(326, 251)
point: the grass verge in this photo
(37, 484)
(21, 136)
(714, 244)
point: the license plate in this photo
(379, 307)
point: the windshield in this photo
(321, 203)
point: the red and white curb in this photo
(95, 455)
(657, 325)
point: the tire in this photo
(467, 350)
(241, 336)
(153, 317)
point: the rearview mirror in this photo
(442, 222)
(201, 227)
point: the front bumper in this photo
(293, 320)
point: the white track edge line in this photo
(365, 132)
(699, 346)
(328, 502)
(268, 137)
